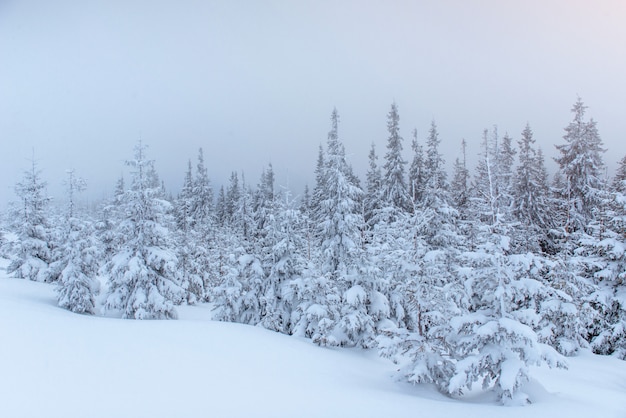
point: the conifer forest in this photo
(463, 277)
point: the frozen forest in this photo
(464, 278)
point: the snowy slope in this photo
(54, 363)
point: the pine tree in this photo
(329, 305)
(73, 185)
(221, 208)
(394, 188)
(202, 192)
(340, 220)
(434, 165)
(77, 284)
(32, 252)
(233, 194)
(190, 253)
(619, 181)
(490, 342)
(242, 220)
(417, 178)
(459, 186)
(531, 204)
(602, 255)
(372, 199)
(505, 158)
(581, 163)
(286, 264)
(485, 198)
(184, 205)
(143, 283)
(320, 185)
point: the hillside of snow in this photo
(54, 363)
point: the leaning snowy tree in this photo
(143, 282)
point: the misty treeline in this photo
(461, 278)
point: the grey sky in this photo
(254, 82)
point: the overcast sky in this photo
(254, 82)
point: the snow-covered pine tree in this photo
(335, 315)
(602, 255)
(487, 339)
(142, 276)
(60, 229)
(318, 189)
(340, 220)
(394, 188)
(372, 200)
(78, 256)
(242, 220)
(459, 185)
(202, 197)
(490, 342)
(428, 284)
(308, 228)
(231, 201)
(505, 160)
(581, 164)
(190, 253)
(77, 285)
(435, 216)
(286, 262)
(531, 206)
(484, 186)
(416, 170)
(32, 252)
(221, 208)
(619, 181)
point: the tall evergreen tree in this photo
(77, 284)
(417, 177)
(202, 193)
(581, 164)
(531, 205)
(619, 181)
(434, 168)
(191, 254)
(341, 220)
(32, 254)
(394, 183)
(372, 199)
(143, 282)
(233, 194)
(459, 186)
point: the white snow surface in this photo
(54, 363)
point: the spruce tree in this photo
(32, 253)
(417, 177)
(372, 199)
(77, 285)
(143, 279)
(394, 188)
(581, 164)
(459, 186)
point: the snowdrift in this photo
(54, 363)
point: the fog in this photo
(254, 82)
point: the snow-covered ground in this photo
(54, 363)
